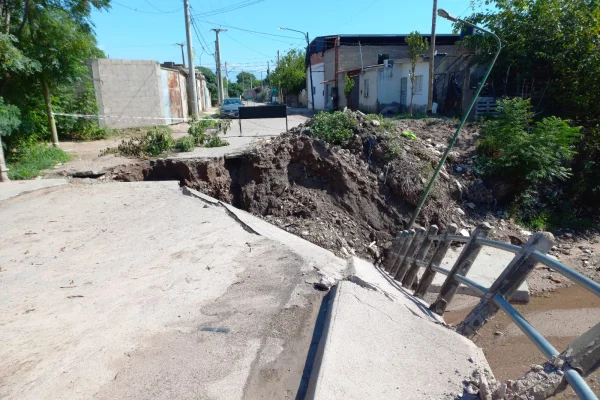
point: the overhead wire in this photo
(147, 12)
(232, 7)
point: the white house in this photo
(386, 88)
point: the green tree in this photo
(348, 86)
(417, 45)
(45, 45)
(247, 80)
(211, 83)
(550, 54)
(290, 74)
(235, 89)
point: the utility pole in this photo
(219, 72)
(227, 77)
(191, 70)
(182, 54)
(432, 61)
(279, 81)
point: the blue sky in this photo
(149, 29)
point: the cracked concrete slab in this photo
(378, 345)
(108, 291)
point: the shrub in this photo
(529, 154)
(28, 162)
(215, 140)
(10, 118)
(156, 141)
(335, 128)
(534, 157)
(185, 144)
(198, 129)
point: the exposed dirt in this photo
(354, 199)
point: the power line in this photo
(246, 46)
(229, 8)
(200, 37)
(147, 12)
(162, 11)
(251, 31)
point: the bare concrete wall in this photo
(126, 89)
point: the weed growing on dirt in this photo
(198, 129)
(30, 161)
(385, 125)
(215, 140)
(334, 128)
(185, 144)
(409, 135)
(408, 116)
(157, 140)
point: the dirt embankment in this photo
(352, 199)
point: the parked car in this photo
(230, 108)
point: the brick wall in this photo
(128, 88)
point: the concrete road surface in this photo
(136, 291)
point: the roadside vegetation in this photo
(158, 140)
(335, 128)
(30, 161)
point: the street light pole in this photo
(312, 93)
(450, 17)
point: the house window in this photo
(419, 84)
(382, 57)
(366, 89)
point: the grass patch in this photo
(408, 116)
(29, 162)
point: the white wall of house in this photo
(318, 73)
(367, 95)
(421, 86)
(388, 95)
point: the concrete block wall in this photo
(128, 88)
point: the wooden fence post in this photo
(402, 252)
(505, 285)
(438, 257)
(461, 266)
(403, 268)
(410, 276)
(394, 251)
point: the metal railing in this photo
(409, 253)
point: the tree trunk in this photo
(50, 115)
(3, 169)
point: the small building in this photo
(387, 88)
(133, 93)
(334, 57)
